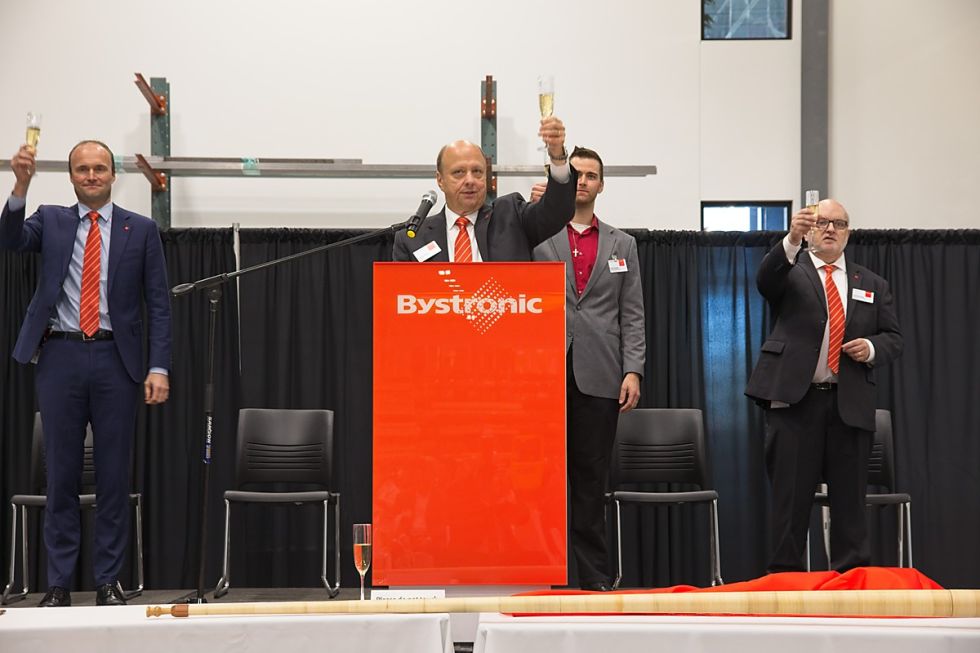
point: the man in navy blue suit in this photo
(99, 265)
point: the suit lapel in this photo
(68, 227)
(481, 228)
(853, 279)
(434, 229)
(810, 270)
(563, 252)
(603, 254)
(119, 230)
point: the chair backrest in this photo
(285, 446)
(661, 445)
(39, 472)
(881, 464)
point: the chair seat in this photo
(666, 497)
(883, 499)
(821, 498)
(279, 497)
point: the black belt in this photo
(101, 334)
(823, 386)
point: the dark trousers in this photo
(807, 442)
(80, 383)
(591, 430)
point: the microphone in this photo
(428, 199)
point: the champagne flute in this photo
(813, 203)
(546, 104)
(362, 551)
(33, 130)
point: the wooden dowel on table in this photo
(879, 603)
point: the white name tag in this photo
(617, 265)
(865, 296)
(378, 595)
(426, 252)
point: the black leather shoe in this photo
(600, 586)
(57, 597)
(109, 595)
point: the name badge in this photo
(617, 265)
(426, 252)
(865, 296)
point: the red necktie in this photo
(835, 311)
(463, 252)
(88, 303)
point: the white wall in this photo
(389, 82)
(905, 112)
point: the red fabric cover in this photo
(861, 578)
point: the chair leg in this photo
(901, 536)
(908, 529)
(715, 547)
(827, 520)
(807, 545)
(137, 501)
(8, 597)
(619, 548)
(225, 581)
(332, 590)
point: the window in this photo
(745, 216)
(745, 19)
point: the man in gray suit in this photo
(605, 348)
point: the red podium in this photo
(469, 424)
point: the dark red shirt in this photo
(585, 247)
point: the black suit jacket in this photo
(506, 231)
(798, 303)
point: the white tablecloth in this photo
(126, 629)
(672, 634)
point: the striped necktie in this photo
(88, 302)
(835, 311)
(463, 250)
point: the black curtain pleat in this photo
(304, 332)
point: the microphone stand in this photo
(213, 287)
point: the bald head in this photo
(461, 172)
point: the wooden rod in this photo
(876, 603)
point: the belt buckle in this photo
(91, 338)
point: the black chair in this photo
(285, 447)
(663, 445)
(19, 504)
(881, 474)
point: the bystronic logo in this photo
(481, 309)
(468, 305)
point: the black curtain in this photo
(305, 338)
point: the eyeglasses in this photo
(839, 225)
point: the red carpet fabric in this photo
(861, 578)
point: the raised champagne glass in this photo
(813, 204)
(546, 105)
(33, 130)
(362, 551)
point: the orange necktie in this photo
(463, 252)
(835, 311)
(88, 303)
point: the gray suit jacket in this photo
(606, 322)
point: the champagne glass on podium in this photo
(813, 203)
(362, 551)
(546, 104)
(33, 130)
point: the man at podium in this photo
(605, 345)
(469, 230)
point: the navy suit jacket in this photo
(137, 270)
(506, 231)
(789, 355)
